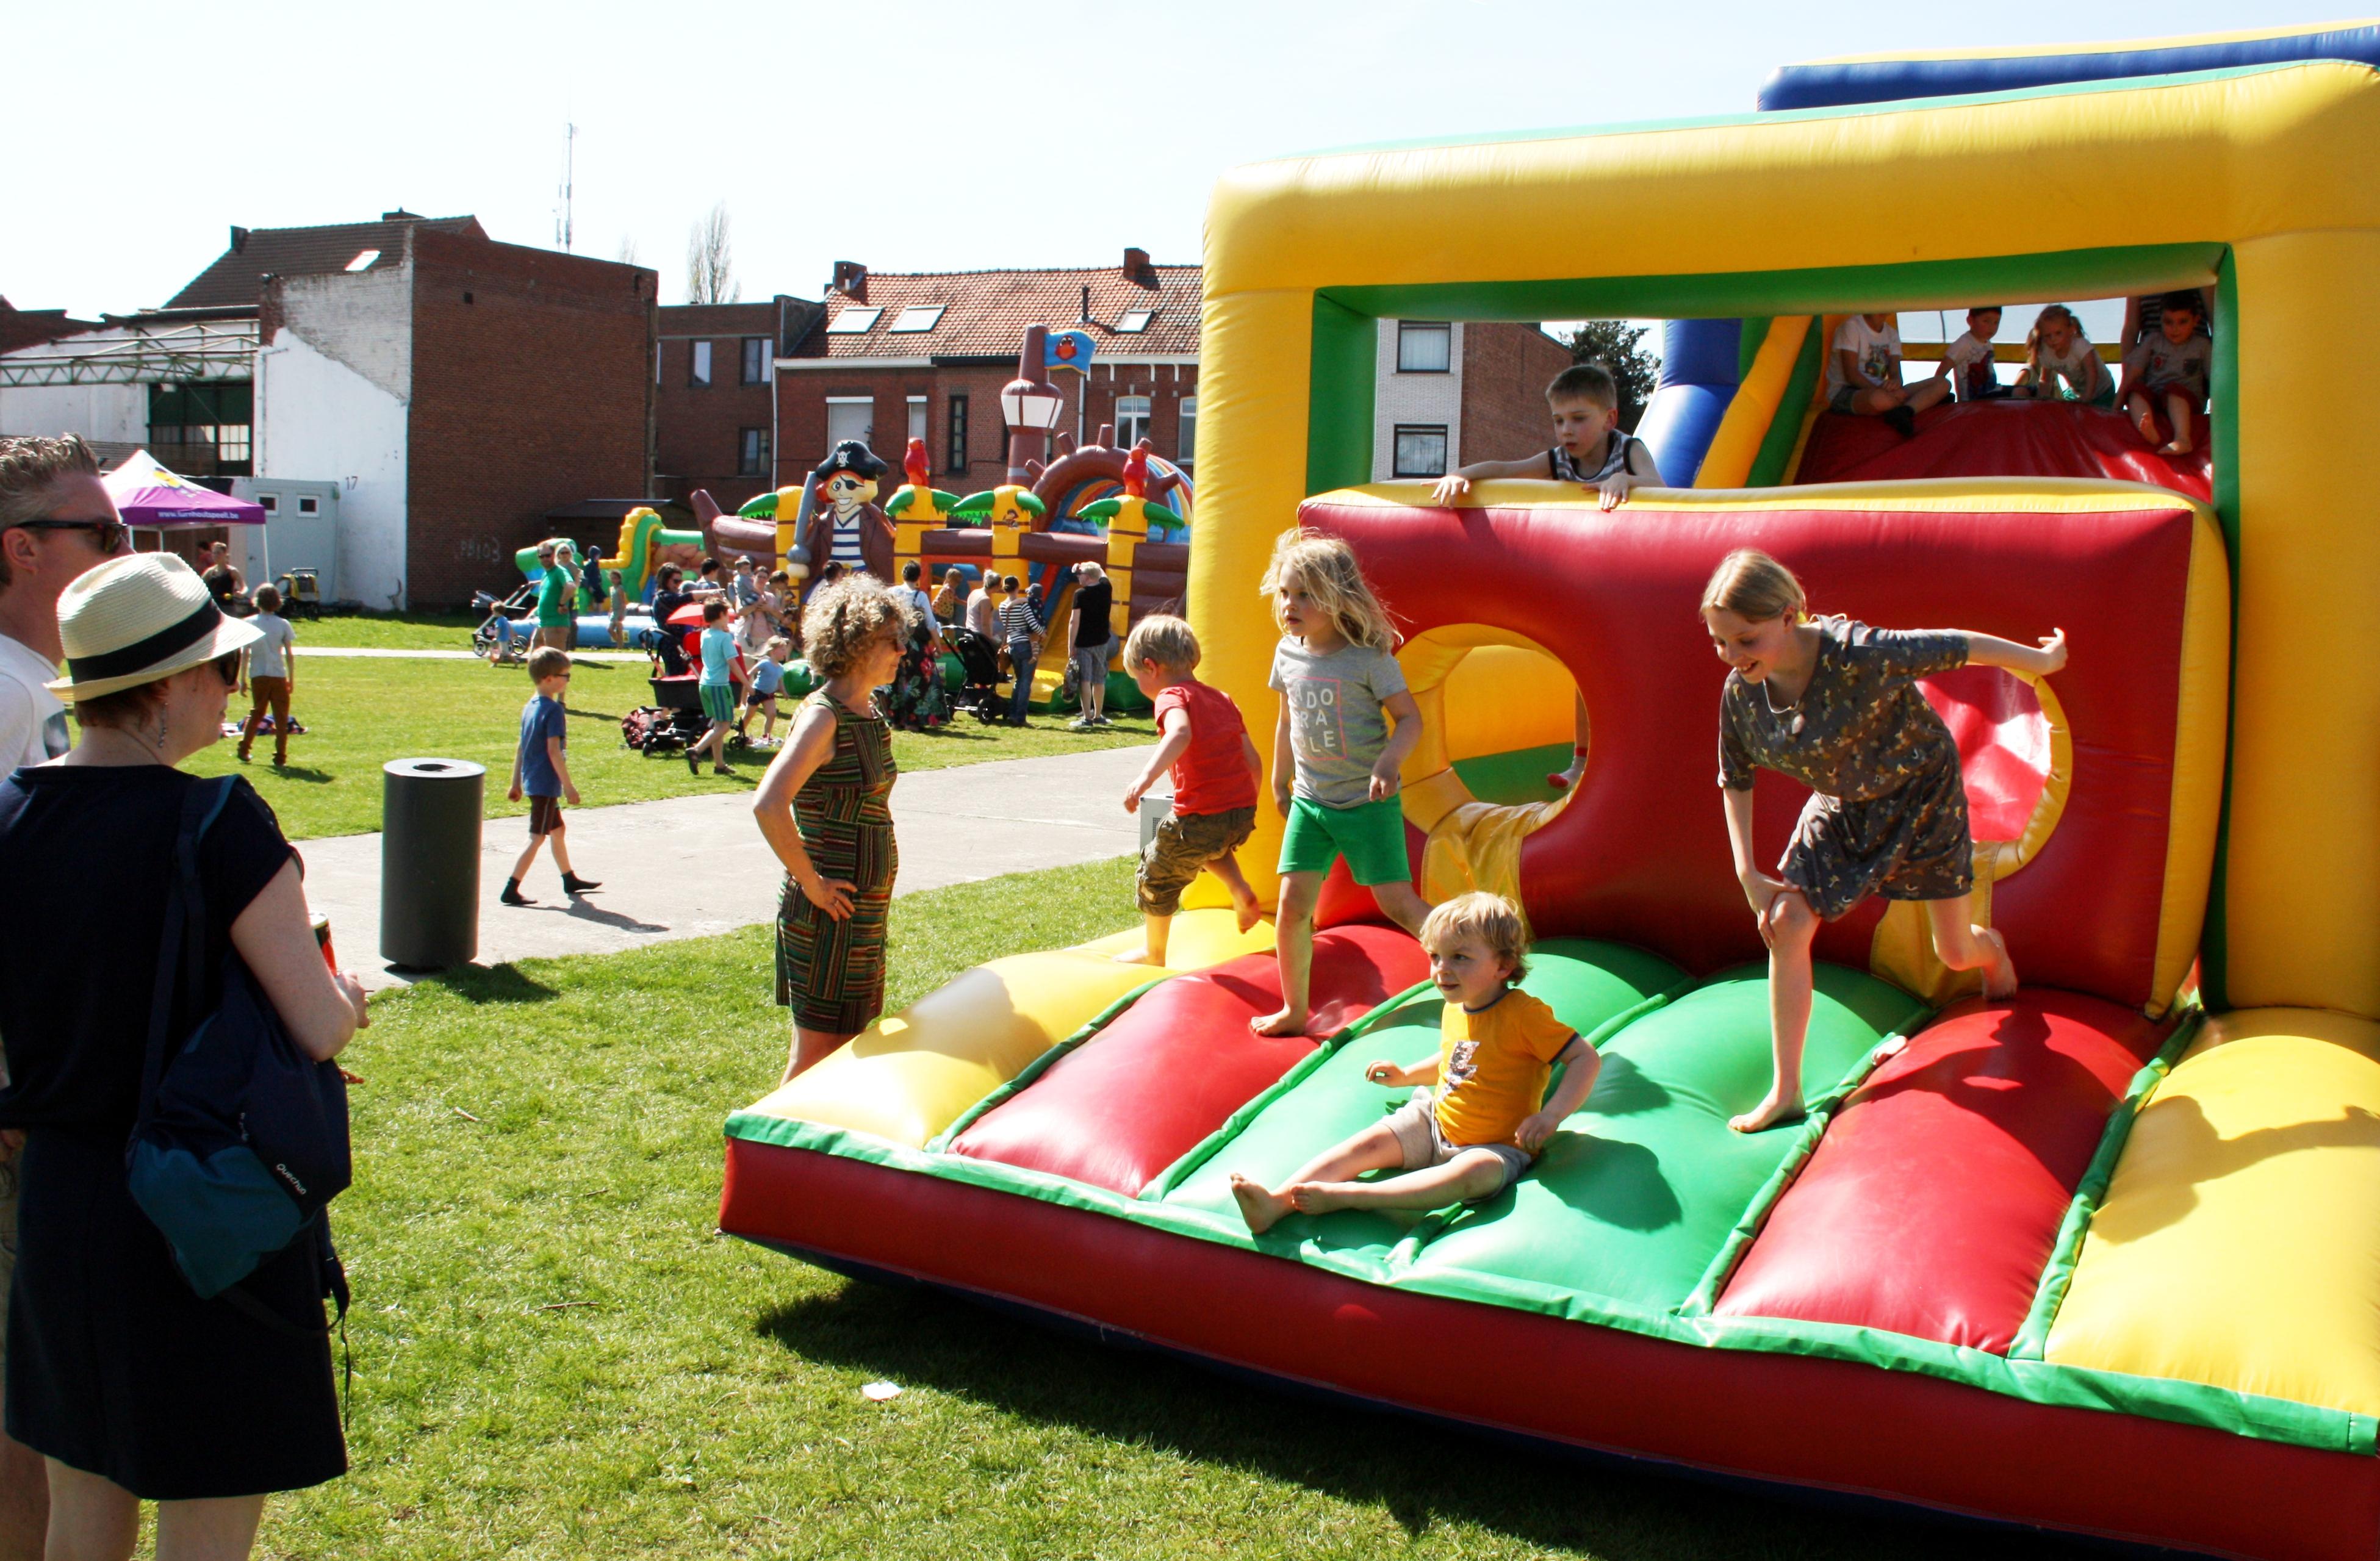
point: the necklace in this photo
(1793, 709)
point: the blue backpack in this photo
(242, 1137)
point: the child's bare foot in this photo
(1244, 904)
(1138, 957)
(2175, 447)
(1287, 1022)
(1888, 1049)
(1999, 976)
(1260, 1208)
(2147, 425)
(1774, 1108)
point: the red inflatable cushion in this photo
(2001, 439)
(1931, 1205)
(2003, 746)
(1171, 1069)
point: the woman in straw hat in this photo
(130, 1386)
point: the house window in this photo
(1186, 444)
(755, 360)
(850, 416)
(918, 317)
(1425, 347)
(958, 461)
(269, 502)
(751, 451)
(698, 371)
(918, 416)
(1134, 322)
(231, 449)
(1131, 420)
(853, 322)
(309, 506)
(1421, 451)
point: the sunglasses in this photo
(227, 669)
(111, 532)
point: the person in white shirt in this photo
(272, 676)
(55, 522)
(1968, 363)
(1864, 375)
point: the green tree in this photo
(1618, 346)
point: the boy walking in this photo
(272, 676)
(716, 689)
(541, 768)
(1205, 745)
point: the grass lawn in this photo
(557, 1356)
(390, 631)
(361, 712)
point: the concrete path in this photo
(690, 866)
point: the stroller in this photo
(980, 667)
(507, 618)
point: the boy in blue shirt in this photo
(717, 687)
(541, 769)
(768, 677)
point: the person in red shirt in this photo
(1205, 745)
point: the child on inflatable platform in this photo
(1970, 363)
(1589, 448)
(2167, 371)
(2061, 364)
(1834, 704)
(1335, 758)
(1481, 1128)
(1864, 375)
(1214, 764)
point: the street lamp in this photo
(1031, 406)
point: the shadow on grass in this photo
(1421, 1474)
(485, 983)
(306, 773)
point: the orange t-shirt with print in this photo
(1493, 1064)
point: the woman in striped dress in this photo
(824, 808)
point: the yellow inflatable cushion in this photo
(907, 1076)
(2238, 1244)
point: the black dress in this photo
(114, 1366)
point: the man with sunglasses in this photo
(55, 522)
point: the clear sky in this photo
(909, 135)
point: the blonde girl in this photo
(1347, 721)
(1834, 704)
(2061, 364)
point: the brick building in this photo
(1450, 393)
(715, 394)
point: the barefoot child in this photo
(1864, 375)
(1336, 677)
(541, 768)
(1590, 448)
(1834, 704)
(1478, 1134)
(2167, 371)
(2060, 362)
(1215, 767)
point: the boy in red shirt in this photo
(1215, 767)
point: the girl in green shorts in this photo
(1347, 721)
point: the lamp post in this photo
(1031, 406)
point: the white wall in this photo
(334, 389)
(1414, 398)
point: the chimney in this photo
(850, 280)
(400, 215)
(1085, 316)
(1138, 269)
(239, 241)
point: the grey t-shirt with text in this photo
(1336, 729)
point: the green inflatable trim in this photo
(1597, 1234)
(1515, 777)
(1785, 428)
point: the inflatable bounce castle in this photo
(2104, 1257)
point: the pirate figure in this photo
(846, 527)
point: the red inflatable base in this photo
(1817, 1423)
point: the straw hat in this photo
(138, 618)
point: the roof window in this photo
(853, 322)
(364, 257)
(918, 316)
(1134, 321)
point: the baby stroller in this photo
(979, 666)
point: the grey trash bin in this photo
(430, 862)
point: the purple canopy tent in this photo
(150, 498)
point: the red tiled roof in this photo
(304, 252)
(984, 312)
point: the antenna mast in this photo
(562, 230)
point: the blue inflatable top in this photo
(1836, 83)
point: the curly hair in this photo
(29, 467)
(845, 617)
(1491, 918)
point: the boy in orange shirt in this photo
(1483, 1127)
